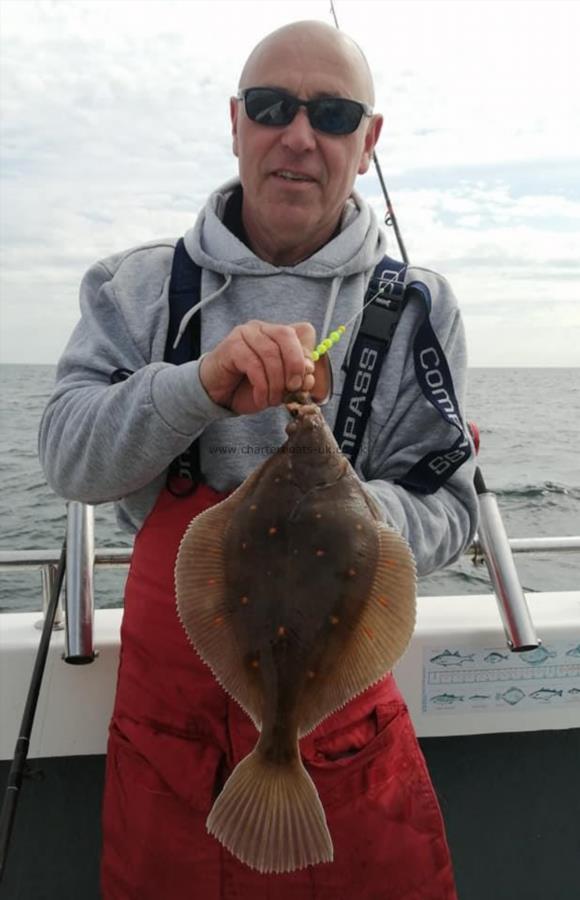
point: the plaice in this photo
(299, 597)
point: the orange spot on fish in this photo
(311, 674)
(218, 620)
(255, 664)
(253, 507)
(272, 530)
(244, 545)
(318, 516)
(244, 600)
(334, 620)
(212, 580)
(359, 527)
(369, 633)
(281, 631)
(321, 552)
(383, 601)
(351, 572)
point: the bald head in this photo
(297, 173)
(302, 43)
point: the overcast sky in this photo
(114, 129)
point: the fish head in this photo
(315, 455)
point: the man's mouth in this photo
(287, 175)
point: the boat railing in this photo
(76, 615)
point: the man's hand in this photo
(257, 364)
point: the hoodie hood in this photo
(357, 248)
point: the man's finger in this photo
(294, 353)
(270, 353)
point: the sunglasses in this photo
(331, 115)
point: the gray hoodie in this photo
(101, 442)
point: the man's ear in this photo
(371, 138)
(234, 110)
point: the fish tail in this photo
(269, 815)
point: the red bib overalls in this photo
(175, 737)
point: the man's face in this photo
(301, 211)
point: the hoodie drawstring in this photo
(334, 289)
(191, 312)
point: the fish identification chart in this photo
(459, 680)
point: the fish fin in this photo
(379, 639)
(269, 815)
(201, 606)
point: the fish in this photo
(299, 597)
(538, 656)
(446, 699)
(546, 694)
(494, 657)
(447, 658)
(512, 696)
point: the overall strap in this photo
(184, 292)
(385, 296)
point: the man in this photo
(289, 243)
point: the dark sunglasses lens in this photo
(269, 107)
(336, 116)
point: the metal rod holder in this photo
(79, 598)
(513, 607)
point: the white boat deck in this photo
(457, 676)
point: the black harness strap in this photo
(184, 292)
(386, 289)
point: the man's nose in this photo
(299, 134)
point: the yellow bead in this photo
(315, 356)
(327, 344)
(321, 349)
(342, 329)
(334, 337)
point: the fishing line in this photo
(334, 336)
(390, 217)
(391, 222)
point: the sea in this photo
(528, 421)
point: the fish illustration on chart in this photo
(511, 696)
(495, 657)
(545, 695)
(538, 656)
(574, 691)
(446, 699)
(447, 658)
(480, 697)
(298, 597)
(575, 651)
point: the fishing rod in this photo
(16, 774)
(493, 540)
